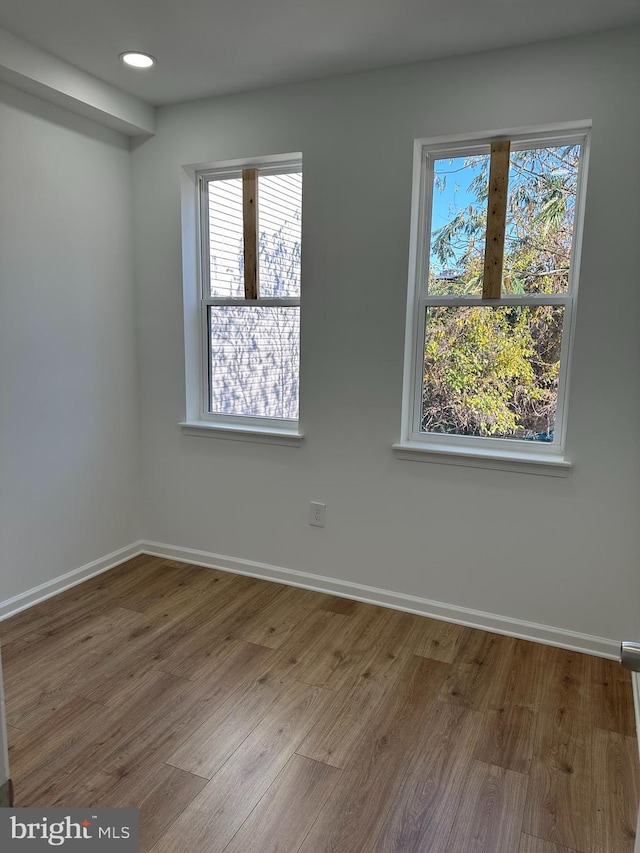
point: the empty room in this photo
(319, 415)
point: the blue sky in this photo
(453, 197)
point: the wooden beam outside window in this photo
(250, 223)
(496, 220)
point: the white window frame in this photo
(197, 301)
(510, 454)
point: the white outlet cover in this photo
(317, 512)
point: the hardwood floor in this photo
(248, 717)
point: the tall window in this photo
(250, 235)
(492, 291)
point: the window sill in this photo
(237, 432)
(546, 464)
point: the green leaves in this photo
(491, 371)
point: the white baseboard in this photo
(546, 634)
(561, 637)
(46, 590)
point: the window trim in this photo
(483, 450)
(198, 420)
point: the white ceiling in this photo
(210, 47)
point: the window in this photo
(250, 220)
(492, 291)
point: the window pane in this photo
(255, 354)
(226, 242)
(540, 216)
(492, 371)
(279, 228)
(458, 225)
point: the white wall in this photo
(562, 552)
(68, 408)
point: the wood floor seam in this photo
(500, 767)
(167, 763)
(549, 846)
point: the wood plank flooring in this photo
(248, 717)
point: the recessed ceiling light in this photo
(137, 60)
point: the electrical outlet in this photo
(317, 514)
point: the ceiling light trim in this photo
(138, 59)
